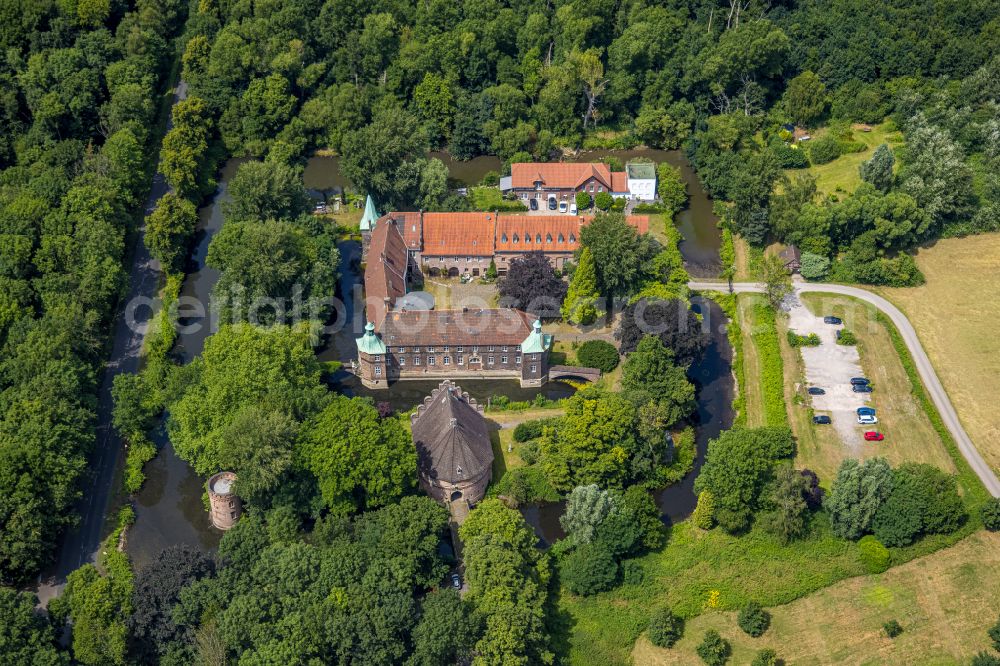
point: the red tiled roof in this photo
(538, 233)
(386, 269)
(619, 181)
(560, 175)
(456, 234)
(499, 326)
(549, 233)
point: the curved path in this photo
(924, 368)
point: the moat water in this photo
(170, 509)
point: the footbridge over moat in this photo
(574, 371)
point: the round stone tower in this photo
(226, 507)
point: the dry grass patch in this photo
(945, 602)
(909, 434)
(955, 315)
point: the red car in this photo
(874, 436)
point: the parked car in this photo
(867, 419)
(860, 380)
(870, 411)
(456, 581)
(563, 207)
(572, 209)
(533, 204)
(874, 436)
(861, 388)
(822, 419)
(552, 203)
(832, 320)
(815, 390)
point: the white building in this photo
(641, 180)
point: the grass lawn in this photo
(955, 314)
(841, 175)
(762, 364)
(945, 602)
(910, 436)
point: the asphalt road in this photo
(80, 545)
(926, 371)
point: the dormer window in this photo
(538, 238)
(572, 238)
(515, 238)
(548, 238)
(527, 238)
(503, 238)
(562, 239)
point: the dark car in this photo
(456, 581)
(860, 381)
(815, 390)
(832, 320)
(533, 204)
(861, 388)
(822, 419)
(552, 203)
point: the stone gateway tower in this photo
(225, 507)
(454, 454)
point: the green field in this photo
(841, 175)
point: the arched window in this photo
(548, 238)
(515, 238)
(503, 238)
(527, 238)
(538, 238)
(562, 239)
(572, 238)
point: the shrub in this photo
(874, 556)
(846, 337)
(753, 619)
(704, 512)
(766, 657)
(714, 650)
(530, 452)
(796, 340)
(990, 513)
(985, 659)
(139, 452)
(582, 201)
(603, 200)
(665, 628)
(633, 573)
(814, 266)
(824, 149)
(598, 354)
(789, 157)
(619, 204)
(648, 209)
(892, 628)
(994, 634)
(528, 430)
(589, 569)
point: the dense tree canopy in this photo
(242, 368)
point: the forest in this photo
(346, 547)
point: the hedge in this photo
(772, 368)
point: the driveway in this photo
(924, 368)
(830, 367)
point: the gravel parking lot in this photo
(830, 366)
